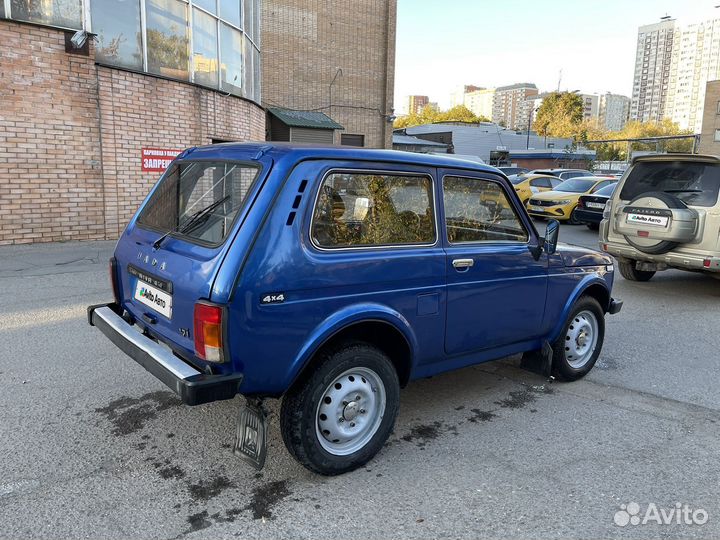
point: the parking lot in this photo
(93, 446)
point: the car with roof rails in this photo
(561, 202)
(526, 185)
(665, 213)
(332, 277)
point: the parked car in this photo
(509, 171)
(331, 277)
(528, 184)
(664, 214)
(564, 174)
(590, 207)
(561, 202)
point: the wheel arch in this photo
(380, 326)
(592, 286)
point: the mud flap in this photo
(251, 435)
(539, 362)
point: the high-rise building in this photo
(613, 111)
(415, 104)
(695, 61)
(591, 106)
(457, 97)
(480, 102)
(511, 106)
(653, 59)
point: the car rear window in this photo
(694, 183)
(213, 191)
(607, 191)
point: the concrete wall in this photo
(303, 44)
(71, 134)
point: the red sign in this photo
(157, 159)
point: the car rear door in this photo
(496, 288)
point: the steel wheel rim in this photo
(581, 339)
(350, 411)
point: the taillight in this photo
(113, 269)
(208, 332)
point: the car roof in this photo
(298, 152)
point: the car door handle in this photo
(463, 263)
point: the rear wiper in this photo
(192, 221)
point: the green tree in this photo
(430, 114)
(560, 115)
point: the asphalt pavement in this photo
(93, 446)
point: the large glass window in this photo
(231, 75)
(362, 209)
(167, 38)
(224, 35)
(205, 53)
(63, 13)
(119, 35)
(478, 210)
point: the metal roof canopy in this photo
(304, 119)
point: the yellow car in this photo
(526, 185)
(560, 203)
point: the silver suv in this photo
(665, 214)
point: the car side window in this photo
(373, 209)
(478, 210)
(554, 182)
(540, 183)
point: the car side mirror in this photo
(551, 236)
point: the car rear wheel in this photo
(339, 415)
(629, 271)
(593, 226)
(578, 347)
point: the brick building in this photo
(334, 57)
(512, 105)
(710, 131)
(163, 74)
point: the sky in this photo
(442, 44)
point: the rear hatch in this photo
(170, 254)
(664, 201)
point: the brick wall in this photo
(71, 134)
(710, 120)
(303, 44)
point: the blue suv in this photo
(331, 277)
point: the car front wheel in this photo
(339, 415)
(578, 347)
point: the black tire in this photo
(593, 226)
(298, 413)
(561, 363)
(662, 247)
(629, 272)
(573, 220)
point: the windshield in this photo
(694, 183)
(208, 192)
(576, 185)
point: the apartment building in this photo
(415, 104)
(653, 59)
(512, 106)
(480, 102)
(613, 111)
